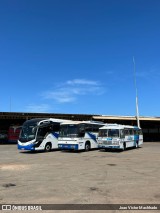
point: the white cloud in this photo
(61, 95)
(148, 74)
(72, 89)
(82, 81)
(37, 108)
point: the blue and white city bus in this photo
(79, 135)
(116, 136)
(39, 134)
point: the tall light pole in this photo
(135, 83)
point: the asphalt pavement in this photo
(94, 177)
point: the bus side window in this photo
(82, 130)
(96, 128)
(42, 132)
(131, 132)
(121, 133)
(126, 132)
(89, 128)
(56, 127)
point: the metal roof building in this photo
(149, 125)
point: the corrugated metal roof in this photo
(141, 118)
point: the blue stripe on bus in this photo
(27, 147)
(55, 134)
(92, 136)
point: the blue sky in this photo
(76, 56)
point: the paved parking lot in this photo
(95, 177)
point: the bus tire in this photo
(124, 146)
(48, 147)
(87, 146)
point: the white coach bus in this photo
(79, 135)
(117, 136)
(39, 134)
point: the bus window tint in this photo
(28, 133)
(126, 132)
(113, 132)
(68, 130)
(96, 128)
(130, 131)
(55, 127)
(88, 127)
(42, 131)
(81, 130)
(122, 135)
(63, 130)
(72, 130)
(103, 133)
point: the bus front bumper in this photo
(109, 147)
(27, 147)
(68, 146)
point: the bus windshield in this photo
(69, 130)
(113, 133)
(28, 133)
(109, 133)
(103, 133)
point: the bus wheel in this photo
(48, 147)
(124, 146)
(87, 146)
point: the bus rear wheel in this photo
(48, 147)
(87, 146)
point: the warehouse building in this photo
(149, 125)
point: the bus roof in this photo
(118, 126)
(41, 120)
(59, 120)
(82, 122)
